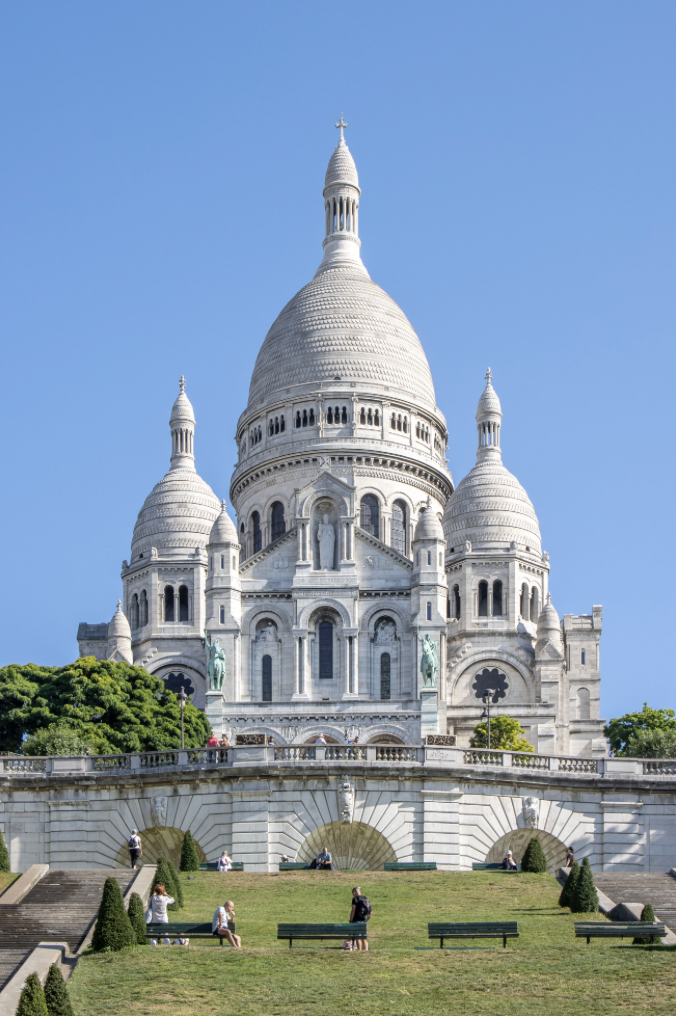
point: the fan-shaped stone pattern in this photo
(518, 840)
(491, 506)
(159, 842)
(353, 846)
(342, 324)
(179, 512)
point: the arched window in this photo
(429, 611)
(325, 650)
(393, 421)
(343, 418)
(417, 429)
(582, 704)
(535, 604)
(497, 598)
(429, 557)
(369, 416)
(257, 535)
(583, 657)
(267, 679)
(523, 609)
(282, 425)
(455, 605)
(399, 422)
(398, 528)
(298, 419)
(134, 612)
(483, 599)
(376, 418)
(305, 417)
(183, 606)
(222, 560)
(276, 425)
(370, 515)
(143, 609)
(329, 415)
(222, 615)
(168, 603)
(385, 676)
(277, 520)
(242, 542)
(312, 417)
(405, 425)
(271, 428)
(362, 415)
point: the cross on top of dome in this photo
(181, 383)
(341, 125)
(489, 376)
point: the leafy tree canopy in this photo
(110, 707)
(621, 730)
(652, 744)
(506, 733)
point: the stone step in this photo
(655, 888)
(10, 961)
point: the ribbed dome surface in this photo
(178, 514)
(223, 530)
(428, 526)
(341, 167)
(342, 325)
(489, 401)
(491, 506)
(119, 625)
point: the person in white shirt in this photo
(157, 909)
(321, 739)
(223, 924)
(224, 862)
(135, 848)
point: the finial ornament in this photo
(341, 125)
(489, 376)
(119, 606)
(181, 384)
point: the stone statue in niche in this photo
(267, 634)
(386, 633)
(215, 662)
(326, 537)
(531, 812)
(429, 664)
(158, 811)
(346, 802)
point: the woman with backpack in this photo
(361, 911)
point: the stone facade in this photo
(351, 545)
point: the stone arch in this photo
(354, 846)
(326, 495)
(472, 662)
(159, 841)
(386, 739)
(324, 603)
(262, 610)
(518, 839)
(370, 617)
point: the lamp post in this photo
(182, 699)
(486, 714)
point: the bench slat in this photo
(410, 866)
(176, 928)
(357, 929)
(294, 866)
(618, 929)
(510, 928)
(213, 866)
(485, 866)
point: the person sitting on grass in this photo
(324, 860)
(157, 909)
(224, 862)
(223, 924)
(508, 862)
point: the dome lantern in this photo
(341, 208)
(488, 418)
(182, 425)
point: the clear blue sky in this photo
(160, 193)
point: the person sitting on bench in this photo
(324, 860)
(224, 862)
(509, 863)
(223, 924)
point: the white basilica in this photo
(351, 545)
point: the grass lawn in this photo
(545, 972)
(6, 879)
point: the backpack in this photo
(133, 845)
(364, 909)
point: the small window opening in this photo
(483, 599)
(429, 611)
(222, 560)
(168, 603)
(267, 679)
(312, 417)
(583, 657)
(257, 535)
(385, 676)
(497, 598)
(343, 418)
(362, 416)
(183, 607)
(222, 615)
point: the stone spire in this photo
(182, 424)
(341, 209)
(488, 418)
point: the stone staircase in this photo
(59, 908)
(652, 887)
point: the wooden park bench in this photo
(294, 866)
(183, 931)
(491, 866)
(318, 931)
(618, 929)
(410, 866)
(481, 929)
(213, 866)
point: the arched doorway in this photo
(518, 840)
(159, 842)
(354, 846)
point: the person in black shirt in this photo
(361, 911)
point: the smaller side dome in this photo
(182, 411)
(119, 625)
(489, 403)
(549, 626)
(429, 526)
(223, 529)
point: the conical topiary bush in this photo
(568, 891)
(648, 915)
(32, 1001)
(113, 928)
(56, 993)
(4, 856)
(534, 858)
(167, 876)
(137, 917)
(585, 899)
(189, 857)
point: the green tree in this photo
(652, 744)
(137, 917)
(585, 899)
(534, 857)
(56, 993)
(647, 915)
(189, 857)
(621, 730)
(4, 856)
(506, 733)
(32, 1001)
(568, 891)
(167, 876)
(112, 707)
(113, 928)
(58, 739)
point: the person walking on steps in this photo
(135, 848)
(361, 911)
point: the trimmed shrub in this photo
(167, 876)
(56, 993)
(137, 917)
(648, 915)
(32, 1001)
(534, 858)
(4, 856)
(568, 891)
(585, 899)
(113, 928)
(189, 858)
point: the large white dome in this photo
(491, 507)
(342, 325)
